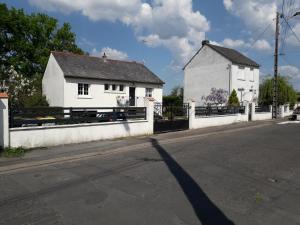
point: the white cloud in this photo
(261, 45)
(258, 14)
(110, 53)
(172, 24)
(291, 71)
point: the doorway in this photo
(132, 96)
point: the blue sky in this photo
(164, 34)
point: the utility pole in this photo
(275, 82)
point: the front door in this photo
(132, 96)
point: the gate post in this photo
(246, 113)
(149, 104)
(252, 111)
(191, 114)
(4, 125)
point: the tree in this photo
(286, 92)
(233, 99)
(216, 96)
(175, 97)
(26, 42)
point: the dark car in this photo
(296, 113)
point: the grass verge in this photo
(13, 152)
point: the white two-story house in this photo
(72, 80)
(218, 67)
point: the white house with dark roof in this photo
(218, 67)
(72, 80)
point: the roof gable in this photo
(82, 66)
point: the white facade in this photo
(209, 69)
(63, 92)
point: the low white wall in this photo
(262, 116)
(32, 137)
(210, 121)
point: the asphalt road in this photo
(230, 176)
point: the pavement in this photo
(239, 174)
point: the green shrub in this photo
(233, 99)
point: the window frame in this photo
(121, 85)
(108, 87)
(147, 91)
(83, 89)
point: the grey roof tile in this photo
(234, 56)
(83, 66)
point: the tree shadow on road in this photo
(207, 212)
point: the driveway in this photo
(238, 174)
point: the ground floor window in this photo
(149, 92)
(83, 89)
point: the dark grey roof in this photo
(83, 66)
(232, 55)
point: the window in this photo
(114, 87)
(251, 74)
(241, 73)
(106, 87)
(83, 89)
(149, 92)
(121, 87)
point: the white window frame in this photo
(149, 92)
(83, 89)
(241, 73)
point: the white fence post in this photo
(247, 110)
(4, 123)
(281, 110)
(191, 114)
(149, 104)
(271, 108)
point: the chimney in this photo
(204, 42)
(104, 57)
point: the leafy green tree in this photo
(286, 92)
(175, 97)
(233, 99)
(26, 42)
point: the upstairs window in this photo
(241, 73)
(106, 87)
(83, 89)
(149, 92)
(114, 87)
(251, 74)
(121, 87)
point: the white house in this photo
(218, 67)
(72, 80)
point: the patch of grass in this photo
(258, 198)
(13, 152)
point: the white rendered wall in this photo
(248, 83)
(68, 134)
(53, 83)
(211, 121)
(261, 116)
(207, 70)
(98, 97)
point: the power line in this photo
(259, 36)
(293, 32)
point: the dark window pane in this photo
(106, 87)
(121, 87)
(114, 87)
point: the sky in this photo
(165, 34)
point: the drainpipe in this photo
(230, 78)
